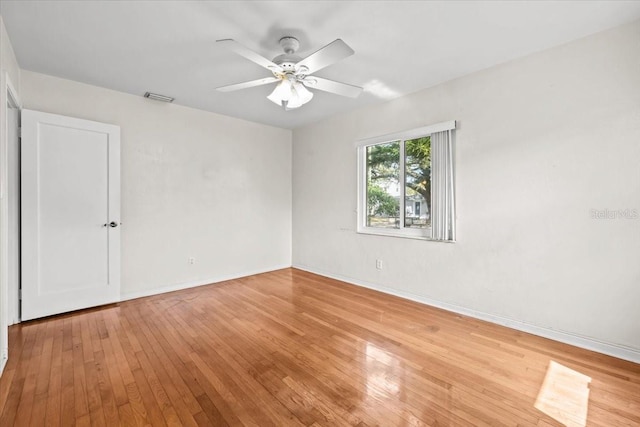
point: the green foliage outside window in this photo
(384, 175)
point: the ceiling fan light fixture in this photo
(290, 94)
(301, 96)
(282, 93)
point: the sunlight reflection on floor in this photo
(564, 395)
(382, 370)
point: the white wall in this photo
(541, 142)
(8, 58)
(194, 184)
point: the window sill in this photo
(403, 234)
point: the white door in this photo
(70, 214)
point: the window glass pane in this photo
(383, 185)
(418, 182)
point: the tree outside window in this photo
(389, 164)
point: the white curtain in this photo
(442, 187)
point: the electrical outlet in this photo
(191, 261)
(379, 264)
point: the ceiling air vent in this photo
(158, 97)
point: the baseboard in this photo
(3, 360)
(615, 350)
(186, 285)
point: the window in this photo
(406, 184)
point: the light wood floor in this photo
(292, 348)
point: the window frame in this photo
(403, 232)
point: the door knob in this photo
(113, 224)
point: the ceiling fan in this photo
(293, 73)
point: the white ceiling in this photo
(168, 47)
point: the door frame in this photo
(8, 99)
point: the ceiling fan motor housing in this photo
(287, 62)
(289, 44)
(288, 59)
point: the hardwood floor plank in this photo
(53, 394)
(79, 378)
(126, 416)
(5, 387)
(136, 404)
(139, 392)
(290, 348)
(112, 365)
(210, 414)
(186, 386)
(171, 392)
(18, 365)
(246, 378)
(106, 389)
(67, 404)
(27, 398)
(83, 421)
(229, 392)
(94, 399)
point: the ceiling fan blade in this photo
(333, 87)
(330, 54)
(249, 54)
(246, 85)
